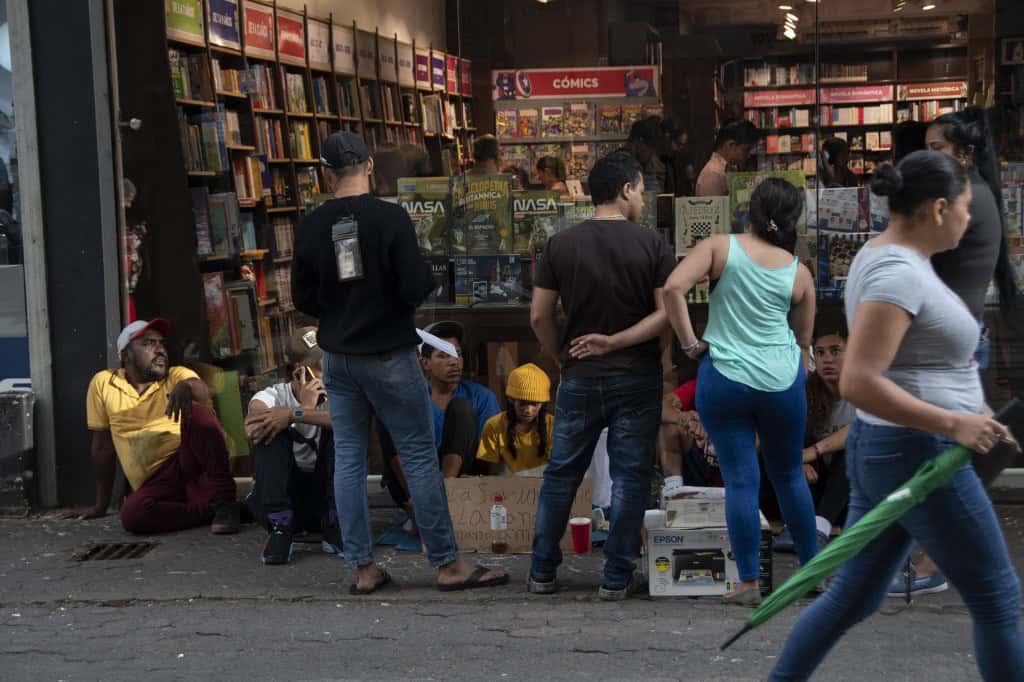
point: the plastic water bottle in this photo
(499, 526)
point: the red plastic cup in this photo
(580, 526)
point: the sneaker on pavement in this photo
(535, 586)
(636, 586)
(278, 548)
(226, 519)
(919, 584)
(331, 543)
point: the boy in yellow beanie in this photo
(518, 441)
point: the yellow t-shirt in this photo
(144, 437)
(528, 460)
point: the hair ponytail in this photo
(920, 177)
(775, 210)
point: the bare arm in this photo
(802, 310)
(691, 270)
(878, 329)
(542, 319)
(646, 329)
(103, 454)
(833, 443)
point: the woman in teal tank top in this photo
(751, 378)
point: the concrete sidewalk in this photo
(203, 607)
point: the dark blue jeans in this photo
(630, 408)
(955, 525)
(734, 414)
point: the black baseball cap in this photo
(343, 149)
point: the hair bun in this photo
(887, 181)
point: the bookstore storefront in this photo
(236, 97)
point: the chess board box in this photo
(697, 218)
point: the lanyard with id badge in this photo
(347, 253)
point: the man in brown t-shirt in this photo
(608, 272)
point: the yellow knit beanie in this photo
(530, 383)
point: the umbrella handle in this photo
(742, 631)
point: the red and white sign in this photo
(259, 31)
(291, 38)
(918, 91)
(805, 96)
(451, 71)
(778, 98)
(856, 93)
(466, 76)
(611, 81)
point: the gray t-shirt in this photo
(935, 360)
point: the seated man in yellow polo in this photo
(518, 440)
(156, 420)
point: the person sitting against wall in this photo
(518, 440)
(289, 427)
(155, 419)
(685, 452)
(828, 422)
(461, 408)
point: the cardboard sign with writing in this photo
(470, 500)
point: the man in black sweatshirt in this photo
(358, 269)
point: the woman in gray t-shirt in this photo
(911, 374)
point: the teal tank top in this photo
(748, 331)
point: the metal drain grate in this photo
(109, 551)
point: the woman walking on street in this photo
(751, 382)
(910, 372)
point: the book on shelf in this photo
(248, 232)
(467, 113)
(349, 105)
(201, 220)
(426, 201)
(506, 123)
(283, 237)
(242, 298)
(388, 95)
(528, 123)
(219, 316)
(308, 182)
(631, 113)
(265, 94)
(487, 280)
(859, 115)
(367, 94)
(581, 160)
(202, 141)
(269, 137)
(295, 91)
(232, 126)
(697, 218)
(927, 111)
(189, 76)
(442, 294)
(535, 219)
(844, 73)
(224, 79)
(225, 224)
(579, 119)
(609, 119)
(283, 282)
(433, 114)
(409, 108)
(320, 95)
(482, 213)
(300, 139)
(552, 121)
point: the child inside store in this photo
(518, 441)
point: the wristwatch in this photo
(298, 414)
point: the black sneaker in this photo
(226, 519)
(278, 548)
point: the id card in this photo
(347, 252)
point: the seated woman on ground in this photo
(518, 441)
(828, 423)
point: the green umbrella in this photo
(932, 475)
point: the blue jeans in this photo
(734, 415)
(955, 525)
(630, 408)
(389, 385)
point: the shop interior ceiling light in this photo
(789, 33)
(899, 5)
(785, 7)
(928, 5)
(792, 17)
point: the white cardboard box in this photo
(693, 562)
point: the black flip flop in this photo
(474, 581)
(353, 589)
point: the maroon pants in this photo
(183, 492)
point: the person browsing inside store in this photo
(909, 371)
(518, 441)
(486, 156)
(155, 419)
(293, 452)
(751, 378)
(733, 145)
(608, 272)
(460, 408)
(358, 269)
(835, 164)
(552, 174)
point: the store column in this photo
(71, 248)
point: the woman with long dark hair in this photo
(909, 370)
(751, 382)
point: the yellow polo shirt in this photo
(529, 460)
(144, 437)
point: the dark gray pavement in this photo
(202, 607)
